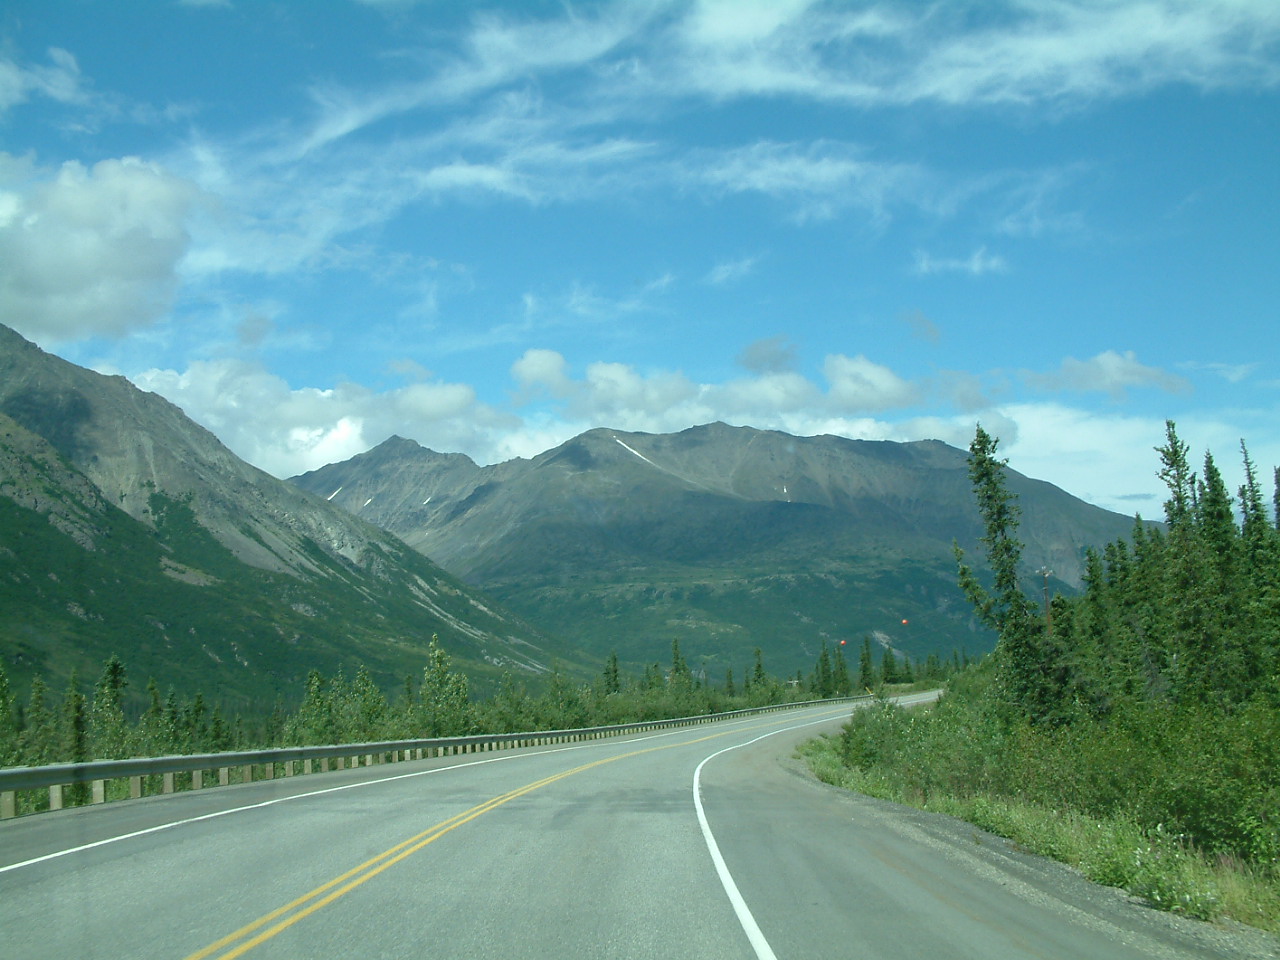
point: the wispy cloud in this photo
(731, 271)
(1231, 372)
(1108, 372)
(817, 179)
(976, 264)
(58, 80)
(1006, 53)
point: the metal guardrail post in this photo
(55, 777)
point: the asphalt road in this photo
(595, 850)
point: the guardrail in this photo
(96, 773)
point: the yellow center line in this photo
(326, 893)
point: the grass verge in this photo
(1151, 864)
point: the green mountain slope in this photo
(125, 528)
(728, 538)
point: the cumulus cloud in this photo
(1105, 457)
(1108, 372)
(542, 369)
(859, 385)
(90, 250)
(287, 431)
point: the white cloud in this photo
(1104, 457)
(1231, 372)
(859, 385)
(90, 251)
(976, 264)
(731, 271)
(287, 431)
(59, 80)
(820, 178)
(542, 369)
(1019, 53)
(1108, 372)
(1051, 51)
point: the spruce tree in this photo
(612, 677)
(38, 740)
(888, 666)
(824, 681)
(866, 666)
(840, 674)
(446, 699)
(73, 740)
(8, 723)
(107, 731)
(1020, 652)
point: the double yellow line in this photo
(325, 894)
(265, 927)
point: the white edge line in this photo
(745, 916)
(302, 796)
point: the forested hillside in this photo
(1134, 729)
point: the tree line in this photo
(1150, 701)
(438, 703)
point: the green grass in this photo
(1154, 864)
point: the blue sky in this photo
(489, 227)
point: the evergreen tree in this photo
(154, 736)
(824, 678)
(73, 740)
(8, 723)
(866, 666)
(612, 677)
(680, 676)
(107, 731)
(189, 724)
(38, 740)
(729, 689)
(364, 709)
(1020, 651)
(888, 667)
(312, 724)
(840, 683)
(221, 735)
(446, 699)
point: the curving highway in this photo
(705, 842)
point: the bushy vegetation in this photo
(80, 725)
(1133, 730)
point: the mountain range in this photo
(128, 529)
(726, 538)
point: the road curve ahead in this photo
(704, 842)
